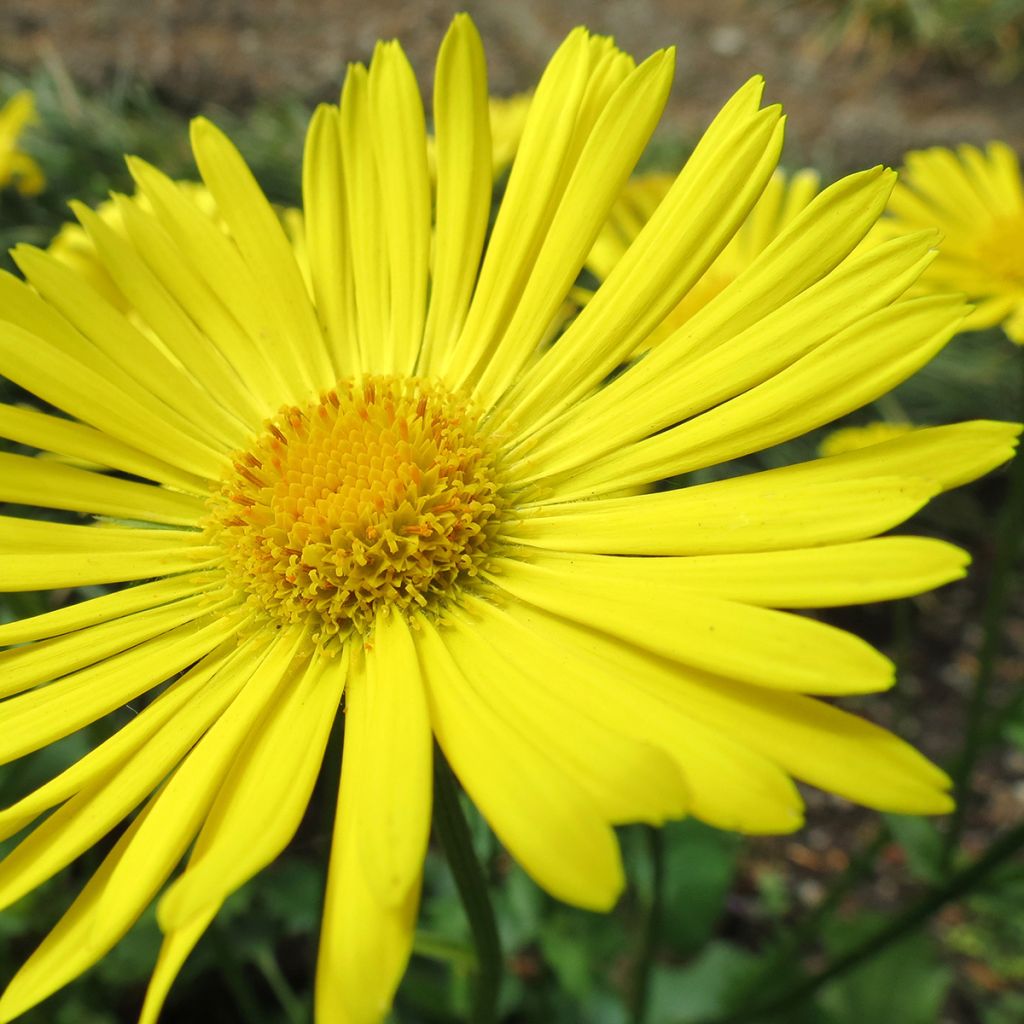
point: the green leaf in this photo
(906, 982)
(700, 863)
(923, 845)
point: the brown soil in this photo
(850, 105)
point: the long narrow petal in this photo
(33, 664)
(189, 705)
(717, 518)
(849, 370)
(627, 777)
(674, 383)
(756, 645)
(399, 139)
(37, 718)
(39, 366)
(545, 819)
(814, 741)
(186, 281)
(37, 555)
(364, 944)
(462, 129)
(392, 807)
(28, 481)
(66, 951)
(713, 193)
(323, 199)
(262, 798)
(266, 249)
(226, 280)
(91, 812)
(730, 786)
(609, 155)
(819, 577)
(145, 371)
(218, 387)
(103, 608)
(65, 437)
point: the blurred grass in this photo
(720, 927)
(983, 36)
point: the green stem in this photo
(1008, 534)
(469, 880)
(652, 928)
(268, 966)
(933, 900)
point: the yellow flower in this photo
(780, 202)
(850, 439)
(380, 485)
(976, 199)
(18, 168)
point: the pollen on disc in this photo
(382, 493)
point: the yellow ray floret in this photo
(366, 479)
(975, 197)
(17, 168)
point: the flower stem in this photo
(1008, 534)
(453, 832)
(934, 899)
(652, 928)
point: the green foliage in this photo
(987, 35)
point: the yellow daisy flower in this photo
(782, 199)
(850, 439)
(976, 199)
(18, 168)
(379, 486)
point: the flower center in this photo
(381, 494)
(1002, 248)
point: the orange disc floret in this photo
(383, 491)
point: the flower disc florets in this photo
(380, 494)
(1001, 250)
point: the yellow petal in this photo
(399, 138)
(853, 368)
(544, 818)
(757, 512)
(393, 804)
(627, 778)
(226, 280)
(610, 152)
(364, 944)
(116, 786)
(463, 133)
(27, 481)
(114, 346)
(34, 664)
(840, 574)
(187, 284)
(756, 645)
(263, 798)
(34, 719)
(706, 204)
(185, 701)
(119, 409)
(729, 785)
(257, 230)
(323, 198)
(212, 388)
(56, 434)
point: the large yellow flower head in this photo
(17, 168)
(379, 486)
(976, 199)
